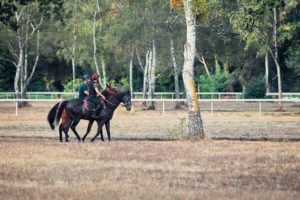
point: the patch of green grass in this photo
(178, 130)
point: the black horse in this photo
(109, 91)
(76, 111)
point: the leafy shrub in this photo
(256, 88)
(217, 83)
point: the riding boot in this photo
(103, 105)
(96, 112)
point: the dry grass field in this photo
(148, 159)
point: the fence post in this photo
(16, 108)
(259, 108)
(163, 112)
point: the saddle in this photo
(89, 105)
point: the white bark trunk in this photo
(203, 62)
(102, 83)
(74, 46)
(152, 76)
(267, 73)
(176, 77)
(130, 73)
(276, 54)
(145, 78)
(195, 121)
(103, 71)
(149, 73)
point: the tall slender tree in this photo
(195, 122)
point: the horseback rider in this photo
(95, 96)
(84, 87)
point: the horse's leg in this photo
(66, 129)
(88, 129)
(107, 126)
(73, 128)
(99, 131)
(62, 125)
(60, 132)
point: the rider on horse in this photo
(95, 96)
(84, 87)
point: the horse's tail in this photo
(51, 116)
(60, 110)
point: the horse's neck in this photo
(115, 100)
(105, 93)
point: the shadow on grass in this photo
(4, 138)
(42, 138)
(271, 139)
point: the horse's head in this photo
(111, 90)
(127, 101)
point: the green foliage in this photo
(69, 85)
(293, 60)
(217, 83)
(256, 88)
(122, 85)
(200, 10)
(232, 33)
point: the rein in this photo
(110, 103)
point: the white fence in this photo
(157, 95)
(256, 104)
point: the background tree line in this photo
(138, 45)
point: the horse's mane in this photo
(119, 95)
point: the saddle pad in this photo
(86, 104)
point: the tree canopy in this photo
(233, 37)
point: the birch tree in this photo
(73, 55)
(27, 29)
(195, 121)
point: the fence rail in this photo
(157, 95)
(210, 103)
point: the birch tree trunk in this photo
(74, 46)
(276, 54)
(195, 121)
(203, 62)
(267, 73)
(95, 45)
(19, 65)
(152, 78)
(102, 83)
(130, 73)
(103, 72)
(149, 77)
(176, 77)
(145, 79)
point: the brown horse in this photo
(109, 91)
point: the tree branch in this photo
(9, 60)
(139, 58)
(162, 72)
(36, 58)
(34, 28)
